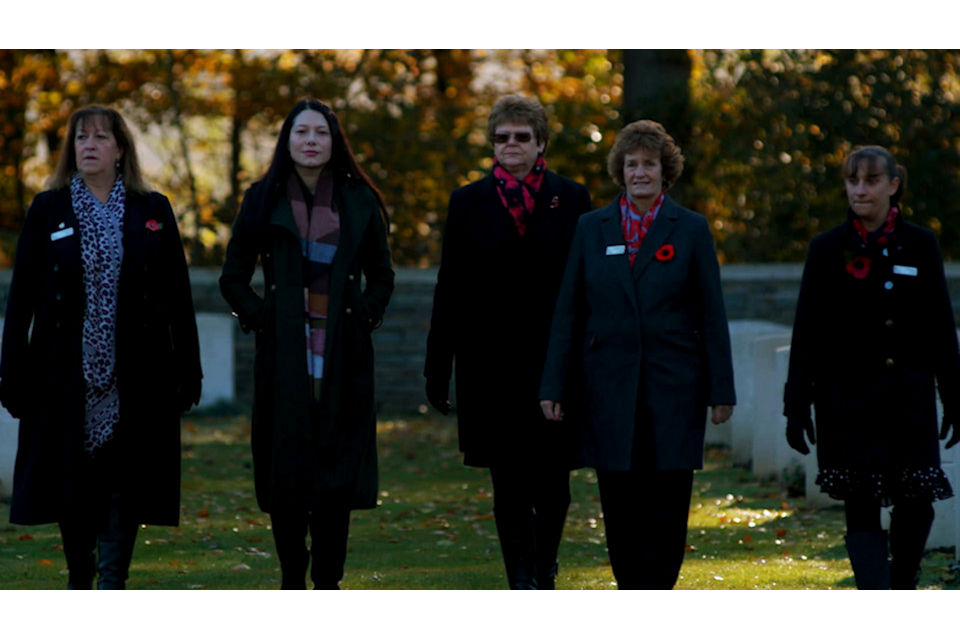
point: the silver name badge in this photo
(901, 270)
(616, 250)
(57, 235)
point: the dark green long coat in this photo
(299, 450)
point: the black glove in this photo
(796, 427)
(188, 395)
(12, 399)
(438, 394)
(949, 420)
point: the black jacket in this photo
(334, 444)
(491, 316)
(158, 359)
(865, 352)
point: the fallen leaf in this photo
(46, 563)
(240, 567)
(781, 533)
(26, 536)
(748, 538)
(203, 513)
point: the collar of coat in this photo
(352, 198)
(663, 227)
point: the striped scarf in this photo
(519, 196)
(319, 229)
(101, 251)
(636, 224)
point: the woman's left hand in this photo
(720, 413)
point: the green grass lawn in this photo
(434, 527)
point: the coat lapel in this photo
(611, 234)
(661, 230)
(282, 216)
(134, 234)
(497, 216)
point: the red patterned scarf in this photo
(519, 196)
(636, 224)
(881, 236)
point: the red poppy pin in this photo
(664, 253)
(153, 225)
(858, 267)
(555, 202)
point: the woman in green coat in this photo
(318, 226)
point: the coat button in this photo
(350, 277)
(56, 267)
(266, 255)
(888, 285)
(889, 362)
(273, 287)
(57, 297)
(888, 323)
(349, 311)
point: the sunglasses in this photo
(521, 136)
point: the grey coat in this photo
(652, 341)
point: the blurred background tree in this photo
(764, 132)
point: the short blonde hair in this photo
(649, 135)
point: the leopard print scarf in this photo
(101, 250)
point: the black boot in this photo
(909, 528)
(289, 536)
(868, 557)
(78, 549)
(517, 543)
(329, 533)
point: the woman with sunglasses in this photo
(504, 249)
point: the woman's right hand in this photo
(551, 410)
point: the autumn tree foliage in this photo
(764, 132)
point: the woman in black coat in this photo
(641, 314)
(873, 330)
(112, 357)
(504, 247)
(318, 227)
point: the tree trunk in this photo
(656, 87)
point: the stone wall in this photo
(765, 292)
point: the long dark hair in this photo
(342, 163)
(111, 118)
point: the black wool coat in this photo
(491, 317)
(652, 340)
(158, 359)
(866, 351)
(300, 449)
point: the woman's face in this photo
(516, 148)
(97, 152)
(869, 191)
(311, 143)
(643, 176)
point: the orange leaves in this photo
(203, 513)
(781, 533)
(45, 563)
(26, 537)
